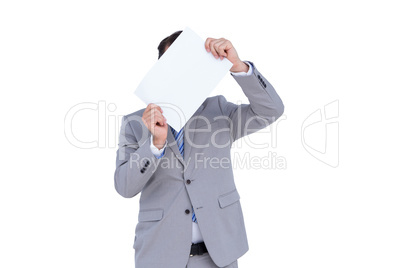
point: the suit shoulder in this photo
(218, 99)
(215, 102)
(134, 119)
(136, 113)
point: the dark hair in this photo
(167, 42)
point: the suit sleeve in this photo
(265, 105)
(135, 162)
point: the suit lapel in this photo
(173, 146)
(189, 135)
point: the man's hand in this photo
(156, 124)
(221, 48)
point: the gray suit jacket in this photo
(170, 186)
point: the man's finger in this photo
(147, 108)
(213, 49)
(207, 44)
(159, 109)
(153, 106)
(155, 118)
(151, 114)
(220, 48)
(156, 112)
(160, 120)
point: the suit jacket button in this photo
(188, 181)
(187, 211)
(142, 170)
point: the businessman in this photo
(190, 213)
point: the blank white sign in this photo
(182, 78)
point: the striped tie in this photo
(179, 137)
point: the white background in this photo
(58, 203)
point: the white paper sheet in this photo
(182, 78)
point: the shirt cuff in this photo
(250, 70)
(157, 153)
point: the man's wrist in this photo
(158, 143)
(240, 67)
(248, 73)
(158, 153)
